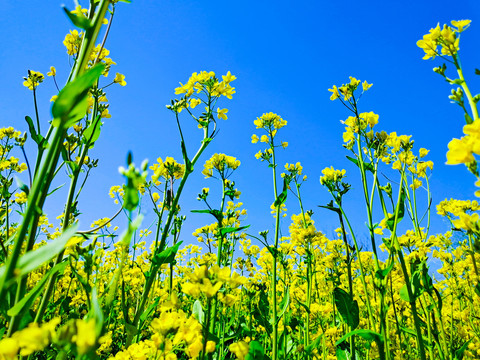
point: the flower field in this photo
(228, 291)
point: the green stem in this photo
(274, 270)
(466, 90)
(399, 252)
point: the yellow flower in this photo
(228, 78)
(467, 222)
(85, 338)
(195, 102)
(366, 86)
(195, 348)
(254, 139)
(120, 79)
(222, 113)
(79, 11)
(72, 42)
(269, 121)
(429, 46)
(20, 198)
(423, 152)
(210, 344)
(33, 80)
(8, 349)
(416, 184)
(459, 151)
(461, 25)
(335, 93)
(222, 164)
(240, 349)
(331, 175)
(52, 71)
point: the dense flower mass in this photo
(386, 287)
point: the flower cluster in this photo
(446, 37)
(223, 164)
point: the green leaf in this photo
(274, 251)
(27, 301)
(72, 165)
(383, 273)
(368, 335)
(477, 72)
(92, 132)
(261, 312)
(460, 352)
(283, 195)
(347, 307)
(96, 313)
(414, 333)
(404, 293)
(71, 103)
(149, 310)
(468, 119)
(167, 256)
(283, 305)
(188, 163)
(401, 212)
(216, 213)
(36, 258)
(331, 208)
(367, 166)
(255, 351)
(342, 354)
(302, 304)
(57, 188)
(457, 82)
(39, 139)
(228, 230)
(78, 20)
(316, 344)
(22, 186)
(197, 311)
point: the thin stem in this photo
(274, 256)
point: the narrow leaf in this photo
(78, 20)
(35, 258)
(71, 103)
(283, 195)
(92, 132)
(367, 166)
(167, 256)
(284, 305)
(26, 302)
(368, 335)
(197, 311)
(228, 230)
(401, 212)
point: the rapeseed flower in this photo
(33, 80)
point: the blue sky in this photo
(285, 56)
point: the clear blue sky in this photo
(285, 56)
